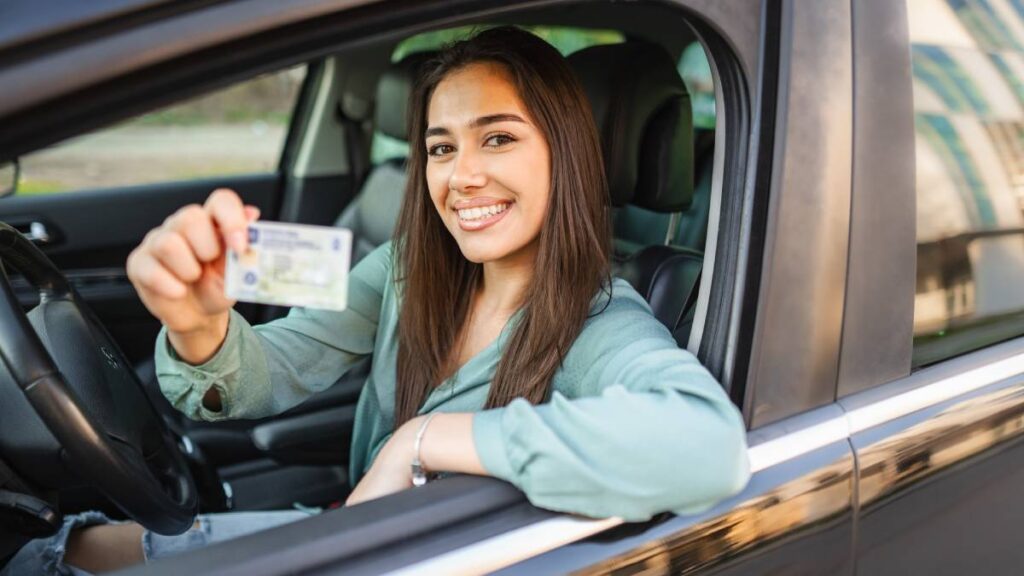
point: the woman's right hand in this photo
(178, 271)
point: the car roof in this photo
(25, 21)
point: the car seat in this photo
(373, 213)
(643, 111)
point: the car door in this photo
(940, 449)
(925, 341)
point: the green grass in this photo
(35, 187)
(28, 187)
(185, 116)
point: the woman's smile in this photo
(480, 213)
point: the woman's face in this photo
(488, 165)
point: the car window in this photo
(968, 84)
(237, 130)
(566, 39)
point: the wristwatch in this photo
(419, 475)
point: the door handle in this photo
(36, 233)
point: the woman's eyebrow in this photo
(494, 118)
(477, 123)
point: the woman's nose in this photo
(467, 171)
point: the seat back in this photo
(643, 111)
(373, 214)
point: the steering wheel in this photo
(89, 397)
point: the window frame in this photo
(879, 303)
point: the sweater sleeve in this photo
(265, 370)
(639, 427)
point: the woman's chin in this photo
(479, 252)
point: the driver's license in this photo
(291, 265)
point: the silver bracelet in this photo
(419, 475)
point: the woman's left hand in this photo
(392, 469)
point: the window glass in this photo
(566, 40)
(968, 79)
(238, 130)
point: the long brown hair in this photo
(437, 282)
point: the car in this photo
(821, 200)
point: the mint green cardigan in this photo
(635, 425)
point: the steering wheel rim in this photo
(123, 448)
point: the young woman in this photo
(496, 331)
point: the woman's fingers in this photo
(147, 273)
(174, 253)
(178, 268)
(230, 216)
(190, 245)
(195, 225)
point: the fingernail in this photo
(238, 240)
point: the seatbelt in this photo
(358, 156)
(691, 301)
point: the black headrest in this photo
(393, 91)
(642, 109)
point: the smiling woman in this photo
(506, 123)
(500, 344)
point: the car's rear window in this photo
(968, 68)
(564, 38)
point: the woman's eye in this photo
(440, 149)
(499, 140)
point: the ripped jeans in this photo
(46, 555)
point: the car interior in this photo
(659, 161)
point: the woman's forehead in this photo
(475, 90)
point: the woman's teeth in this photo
(481, 212)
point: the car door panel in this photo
(794, 517)
(963, 520)
(940, 467)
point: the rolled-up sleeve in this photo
(264, 370)
(639, 428)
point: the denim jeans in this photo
(46, 555)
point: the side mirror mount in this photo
(10, 173)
